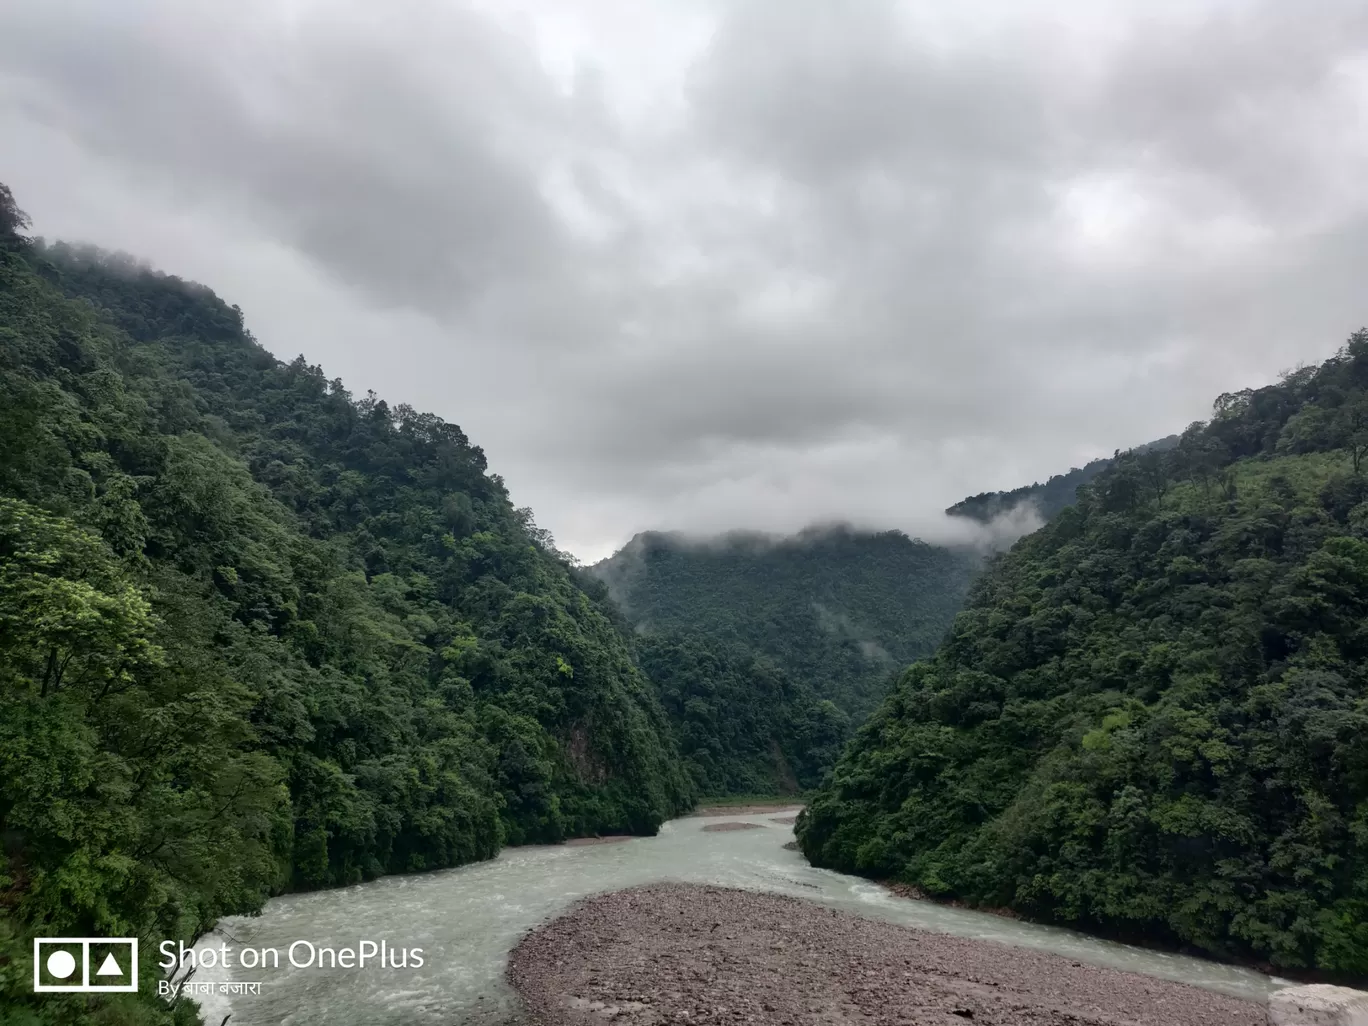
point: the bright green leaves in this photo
(256, 634)
(127, 806)
(1150, 720)
(743, 725)
(68, 618)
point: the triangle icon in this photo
(109, 967)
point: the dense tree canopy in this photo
(836, 609)
(1047, 499)
(743, 726)
(257, 634)
(1152, 718)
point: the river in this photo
(466, 920)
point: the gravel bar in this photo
(747, 810)
(676, 953)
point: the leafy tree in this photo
(1151, 720)
(1351, 423)
(12, 220)
(1047, 499)
(743, 726)
(258, 635)
(835, 609)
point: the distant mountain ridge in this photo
(830, 606)
(1059, 492)
(258, 635)
(768, 650)
(1151, 719)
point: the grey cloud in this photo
(1248, 97)
(406, 179)
(828, 90)
(847, 269)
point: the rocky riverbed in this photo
(676, 953)
(746, 810)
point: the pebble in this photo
(653, 955)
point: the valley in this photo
(276, 656)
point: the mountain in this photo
(837, 609)
(743, 726)
(257, 634)
(1151, 720)
(1046, 499)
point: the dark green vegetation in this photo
(835, 609)
(1060, 491)
(256, 634)
(743, 726)
(1152, 718)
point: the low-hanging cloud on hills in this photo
(731, 265)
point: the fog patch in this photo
(840, 625)
(874, 652)
(998, 534)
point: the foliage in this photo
(1152, 718)
(836, 609)
(742, 725)
(1060, 491)
(256, 634)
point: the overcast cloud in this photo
(705, 265)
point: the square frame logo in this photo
(62, 964)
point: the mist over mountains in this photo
(838, 608)
(1151, 718)
(1030, 506)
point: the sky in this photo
(700, 265)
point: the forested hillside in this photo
(743, 725)
(836, 609)
(1047, 499)
(257, 634)
(1152, 718)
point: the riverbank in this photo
(747, 808)
(668, 953)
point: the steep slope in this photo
(837, 609)
(1152, 718)
(1047, 499)
(256, 634)
(742, 725)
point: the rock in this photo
(681, 953)
(1318, 1004)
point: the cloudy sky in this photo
(698, 264)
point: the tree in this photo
(68, 618)
(1351, 422)
(256, 634)
(13, 221)
(1151, 721)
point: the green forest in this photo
(260, 635)
(839, 610)
(257, 634)
(743, 725)
(1059, 491)
(1151, 720)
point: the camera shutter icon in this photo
(85, 965)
